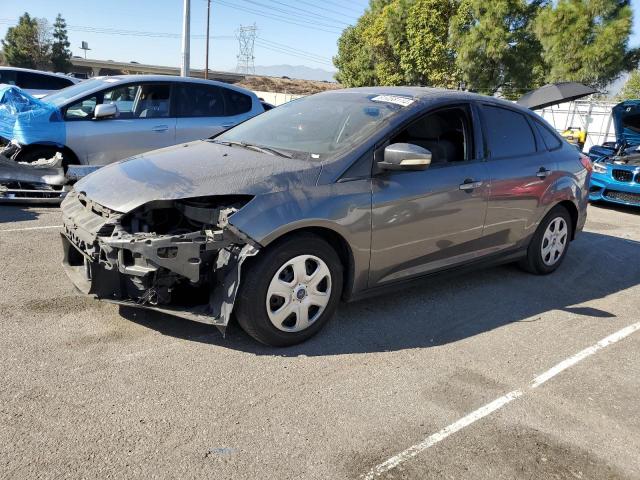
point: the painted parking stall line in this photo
(29, 228)
(497, 404)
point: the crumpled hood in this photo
(195, 169)
(27, 120)
(626, 120)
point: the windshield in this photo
(61, 96)
(320, 125)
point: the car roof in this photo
(429, 95)
(41, 72)
(111, 80)
(164, 78)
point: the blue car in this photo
(616, 166)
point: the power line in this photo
(351, 16)
(341, 5)
(114, 31)
(301, 17)
(296, 50)
(292, 53)
(301, 23)
(303, 13)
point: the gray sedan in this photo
(335, 196)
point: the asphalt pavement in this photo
(93, 390)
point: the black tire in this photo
(534, 261)
(35, 154)
(257, 274)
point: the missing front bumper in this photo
(111, 285)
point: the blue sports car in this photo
(616, 167)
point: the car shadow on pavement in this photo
(19, 213)
(434, 311)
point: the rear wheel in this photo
(550, 243)
(290, 291)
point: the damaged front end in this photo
(43, 181)
(181, 257)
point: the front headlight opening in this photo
(598, 167)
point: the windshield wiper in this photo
(255, 148)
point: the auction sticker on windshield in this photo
(397, 99)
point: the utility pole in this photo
(206, 49)
(186, 26)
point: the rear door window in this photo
(199, 100)
(508, 133)
(236, 103)
(152, 101)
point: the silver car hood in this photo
(195, 169)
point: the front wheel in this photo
(290, 291)
(550, 243)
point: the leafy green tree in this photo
(28, 44)
(585, 40)
(21, 42)
(631, 89)
(399, 42)
(60, 53)
(496, 46)
(354, 59)
(429, 58)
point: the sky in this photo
(309, 27)
(294, 32)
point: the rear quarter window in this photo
(236, 103)
(549, 137)
(508, 133)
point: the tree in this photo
(631, 89)
(399, 42)
(21, 42)
(354, 59)
(496, 46)
(60, 53)
(586, 40)
(28, 44)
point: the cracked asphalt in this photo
(93, 390)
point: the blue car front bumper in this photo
(620, 184)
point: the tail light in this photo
(586, 162)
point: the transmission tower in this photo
(246, 40)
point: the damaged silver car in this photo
(334, 196)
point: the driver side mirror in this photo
(105, 110)
(405, 156)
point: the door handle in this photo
(229, 125)
(469, 185)
(160, 128)
(543, 173)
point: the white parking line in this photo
(497, 404)
(29, 228)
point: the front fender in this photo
(344, 208)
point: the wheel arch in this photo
(68, 156)
(573, 213)
(337, 241)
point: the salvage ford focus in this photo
(334, 196)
